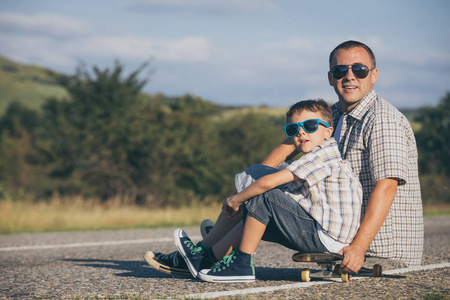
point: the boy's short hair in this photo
(313, 105)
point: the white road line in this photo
(90, 244)
(306, 284)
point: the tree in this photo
(433, 143)
(86, 138)
(17, 128)
(433, 138)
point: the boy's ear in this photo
(329, 132)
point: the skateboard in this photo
(330, 264)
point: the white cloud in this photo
(206, 5)
(60, 41)
(36, 50)
(291, 44)
(42, 24)
(187, 49)
(56, 53)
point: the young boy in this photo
(313, 205)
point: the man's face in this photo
(351, 89)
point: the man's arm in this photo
(377, 210)
(284, 151)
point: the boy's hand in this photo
(230, 207)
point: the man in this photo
(378, 142)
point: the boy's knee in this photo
(251, 174)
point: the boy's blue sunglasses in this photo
(309, 126)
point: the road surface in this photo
(109, 264)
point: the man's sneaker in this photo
(194, 255)
(172, 263)
(236, 267)
(205, 227)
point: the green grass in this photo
(31, 85)
(77, 214)
(436, 210)
(435, 296)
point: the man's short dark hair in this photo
(353, 44)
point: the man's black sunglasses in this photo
(361, 71)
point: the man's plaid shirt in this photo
(328, 190)
(378, 142)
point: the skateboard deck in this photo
(330, 264)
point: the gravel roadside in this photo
(119, 272)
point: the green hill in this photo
(31, 85)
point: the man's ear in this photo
(374, 75)
(330, 78)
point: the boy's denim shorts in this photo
(287, 222)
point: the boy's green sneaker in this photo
(206, 226)
(172, 263)
(195, 256)
(236, 267)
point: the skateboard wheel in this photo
(377, 270)
(345, 277)
(305, 275)
(337, 269)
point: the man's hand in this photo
(353, 260)
(230, 207)
(376, 212)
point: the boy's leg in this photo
(221, 228)
(196, 256)
(224, 224)
(231, 240)
(287, 222)
(253, 233)
(237, 266)
(226, 231)
(200, 256)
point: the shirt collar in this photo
(327, 142)
(360, 109)
(357, 112)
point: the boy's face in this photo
(304, 141)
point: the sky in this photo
(237, 52)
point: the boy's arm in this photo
(284, 151)
(268, 182)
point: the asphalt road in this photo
(109, 264)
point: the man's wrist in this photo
(359, 247)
